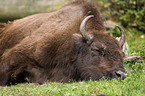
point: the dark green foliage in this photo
(130, 12)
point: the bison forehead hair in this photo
(65, 45)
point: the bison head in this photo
(99, 56)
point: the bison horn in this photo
(89, 37)
(122, 40)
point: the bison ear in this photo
(79, 40)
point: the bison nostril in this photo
(121, 74)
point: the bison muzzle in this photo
(66, 45)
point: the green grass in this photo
(133, 85)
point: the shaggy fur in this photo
(49, 47)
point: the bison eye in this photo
(97, 51)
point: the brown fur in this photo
(45, 47)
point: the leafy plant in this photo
(131, 13)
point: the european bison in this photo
(60, 46)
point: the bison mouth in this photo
(116, 74)
(120, 74)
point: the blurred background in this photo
(13, 9)
(130, 13)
